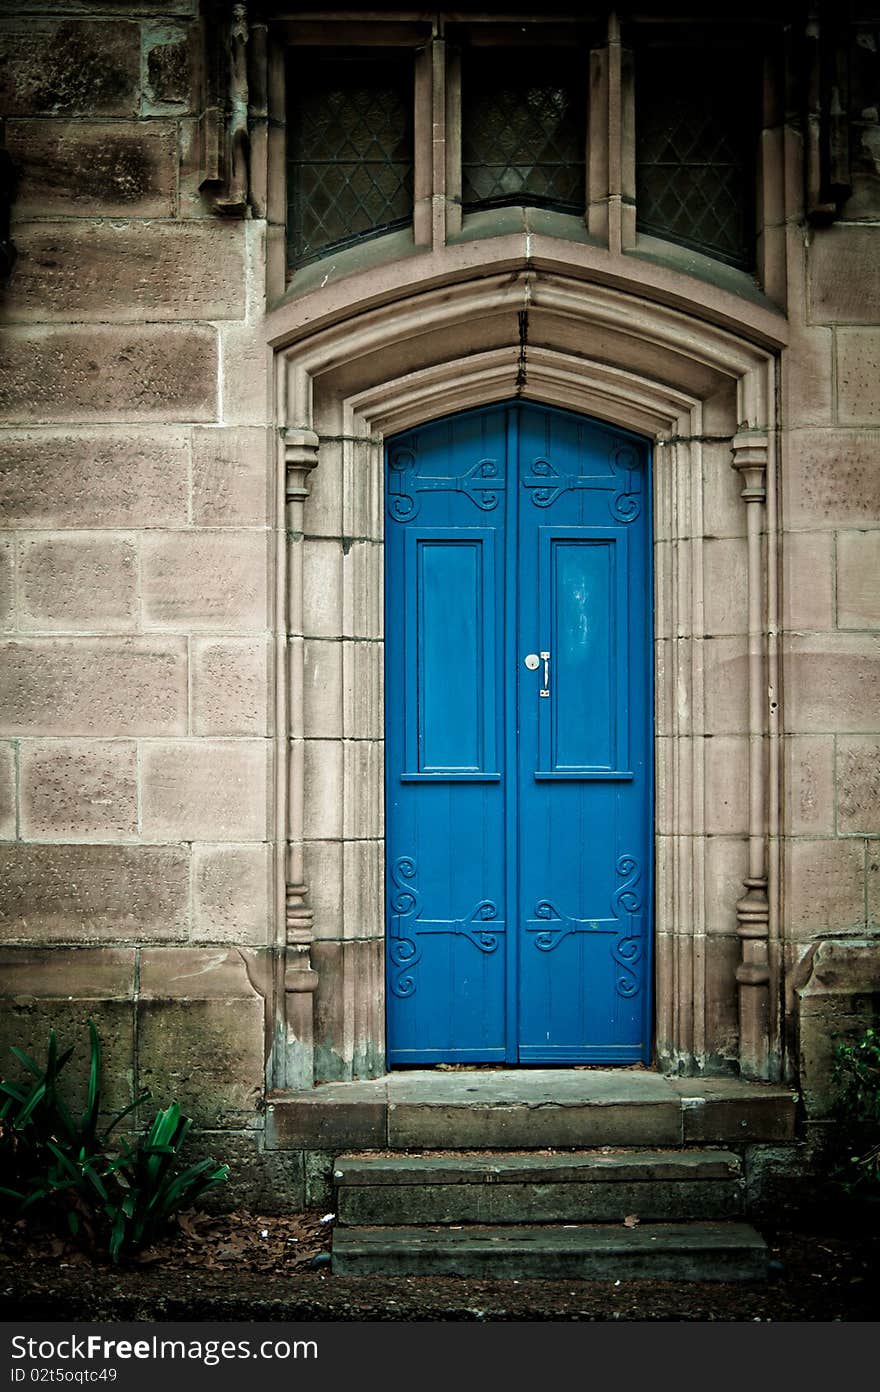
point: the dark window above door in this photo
(350, 149)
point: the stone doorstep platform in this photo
(529, 1109)
(664, 1251)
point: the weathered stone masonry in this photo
(191, 707)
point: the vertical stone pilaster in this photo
(300, 980)
(611, 147)
(750, 453)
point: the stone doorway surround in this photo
(641, 346)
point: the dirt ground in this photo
(243, 1267)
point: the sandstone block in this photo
(323, 785)
(832, 682)
(322, 589)
(108, 478)
(205, 790)
(844, 271)
(231, 474)
(124, 272)
(204, 580)
(363, 889)
(200, 1034)
(69, 67)
(809, 785)
(725, 586)
(361, 490)
(230, 686)
(232, 894)
(838, 986)
(93, 893)
(80, 973)
(322, 689)
(82, 789)
(363, 805)
(362, 678)
(26, 1023)
(61, 989)
(149, 372)
(362, 574)
(721, 958)
(260, 1181)
(247, 376)
(93, 686)
(858, 368)
(833, 477)
(726, 868)
(324, 505)
(808, 580)
(7, 792)
(723, 508)
(858, 580)
(825, 889)
(858, 785)
(727, 785)
(726, 677)
(7, 582)
(169, 65)
(93, 169)
(873, 876)
(806, 378)
(349, 1028)
(323, 874)
(78, 582)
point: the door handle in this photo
(545, 689)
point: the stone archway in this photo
(705, 394)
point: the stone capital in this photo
(750, 450)
(301, 447)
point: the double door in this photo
(518, 741)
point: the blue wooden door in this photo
(518, 740)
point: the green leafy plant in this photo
(65, 1165)
(856, 1076)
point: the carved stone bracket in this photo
(224, 146)
(750, 455)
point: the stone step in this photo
(660, 1252)
(573, 1187)
(529, 1109)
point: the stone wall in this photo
(831, 614)
(135, 597)
(137, 593)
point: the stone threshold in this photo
(535, 1108)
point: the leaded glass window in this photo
(523, 128)
(350, 148)
(696, 137)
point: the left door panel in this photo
(445, 801)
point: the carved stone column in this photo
(300, 980)
(750, 450)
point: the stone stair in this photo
(517, 1215)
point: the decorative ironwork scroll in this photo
(550, 926)
(483, 483)
(546, 483)
(481, 926)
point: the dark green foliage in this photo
(856, 1074)
(64, 1165)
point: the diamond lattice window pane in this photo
(696, 134)
(523, 128)
(350, 149)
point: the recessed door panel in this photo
(518, 699)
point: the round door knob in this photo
(532, 661)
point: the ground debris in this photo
(222, 1267)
